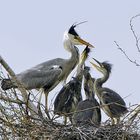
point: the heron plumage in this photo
(88, 110)
(112, 103)
(46, 75)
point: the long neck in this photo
(74, 55)
(69, 46)
(73, 60)
(99, 82)
(89, 88)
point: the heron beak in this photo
(96, 66)
(84, 42)
(84, 54)
(97, 62)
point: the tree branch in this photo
(11, 100)
(32, 107)
(134, 33)
(132, 61)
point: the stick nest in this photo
(16, 122)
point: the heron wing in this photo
(115, 102)
(86, 111)
(68, 97)
(83, 112)
(38, 78)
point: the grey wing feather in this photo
(68, 97)
(116, 104)
(88, 113)
(49, 64)
(83, 115)
(36, 78)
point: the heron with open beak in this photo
(49, 74)
(112, 103)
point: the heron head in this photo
(103, 67)
(74, 37)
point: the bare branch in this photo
(132, 61)
(11, 100)
(134, 113)
(133, 31)
(32, 107)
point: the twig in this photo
(11, 100)
(134, 113)
(133, 31)
(132, 61)
(32, 107)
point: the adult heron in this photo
(69, 96)
(88, 110)
(49, 74)
(112, 103)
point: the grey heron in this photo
(112, 103)
(69, 96)
(49, 74)
(88, 110)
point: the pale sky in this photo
(31, 32)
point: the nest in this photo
(16, 123)
(19, 120)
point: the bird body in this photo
(44, 74)
(52, 72)
(88, 110)
(70, 95)
(49, 74)
(112, 103)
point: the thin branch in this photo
(134, 33)
(32, 107)
(134, 113)
(132, 61)
(11, 100)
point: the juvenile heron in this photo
(88, 111)
(69, 96)
(49, 74)
(112, 103)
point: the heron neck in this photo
(69, 46)
(99, 82)
(74, 54)
(73, 60)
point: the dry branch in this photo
(136, 40)
(15, 125)
(123, 51)
(31, 106)
(133, 31)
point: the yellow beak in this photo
(84, 42)
(94, 65)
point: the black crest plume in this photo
(72, 30)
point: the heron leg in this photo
(65, 120)
(112, 121)
(38, 105)
(46, 105)
(117, 120)
(70, 118)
